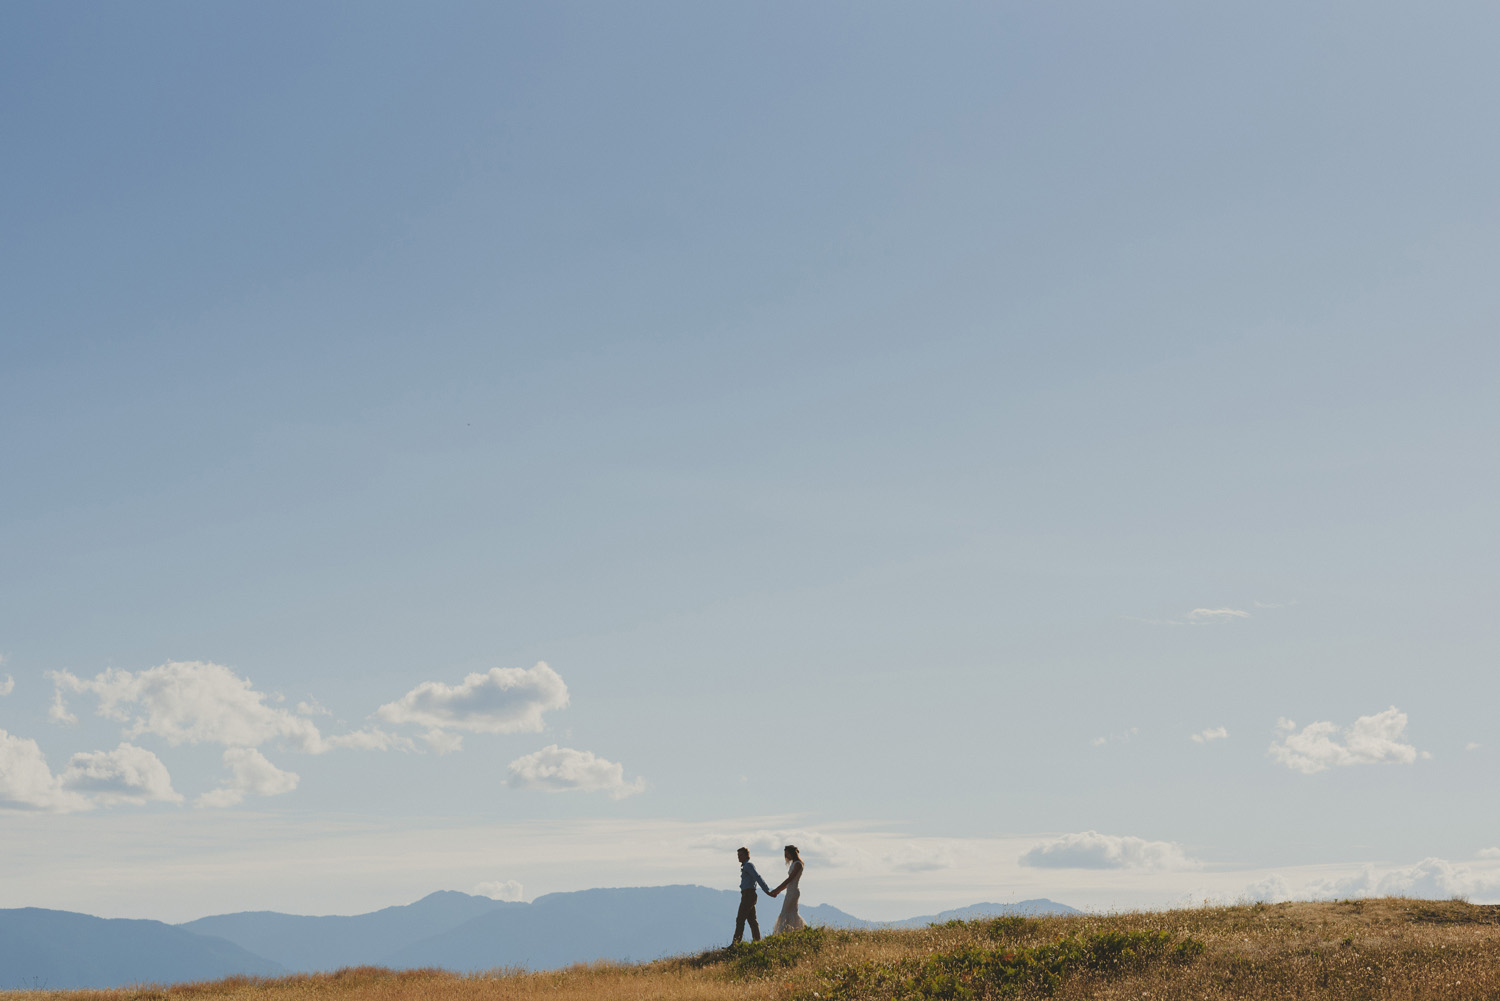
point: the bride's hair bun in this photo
(795, 853)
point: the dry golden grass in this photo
(1371, 949)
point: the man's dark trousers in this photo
(747, 913)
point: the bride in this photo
(789, 919)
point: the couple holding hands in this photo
(789, 919)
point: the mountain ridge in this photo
(62, 950)
(448, 929)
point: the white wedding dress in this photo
(789, 919)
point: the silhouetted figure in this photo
(748, 878)
(789, 919)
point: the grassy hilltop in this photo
(1391, 948)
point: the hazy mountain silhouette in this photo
(634, 923)
(975, 912)
(456, 931)
(61, 949)
(307, 944)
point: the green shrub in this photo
(758, 959)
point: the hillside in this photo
(1368, 949)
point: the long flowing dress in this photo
(789, 919)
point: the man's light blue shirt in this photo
(749, 877)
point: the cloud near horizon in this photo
(500, 889)
(1429, 879)
(1092, 850)
(1369, 740)
(814, 847)
(563, 769)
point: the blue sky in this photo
(899, 429)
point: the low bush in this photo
(759, 959)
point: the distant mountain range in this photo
(58, 950)
(455, 931)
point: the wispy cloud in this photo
(1122, 737)
(58, 712)
(563, 769)
(1092, 850)
(1217, 614)
(1211, 734)
(1369, 740)
(8, 685)
(815, 847)
(1201, 616)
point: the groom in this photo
(748, 878)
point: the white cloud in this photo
(1271, 890)
(26, 783)
(1489, 853)
(1369, 740)
(1429, 879)
(1216, 614)
(502, 700)
(1211, 734)
(312, 707)
(1472, 745)
(562, 769)
(128, 774)
(249, 774)
(507, 889)
(8, 685)
(197, 702)
(1092, 850)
